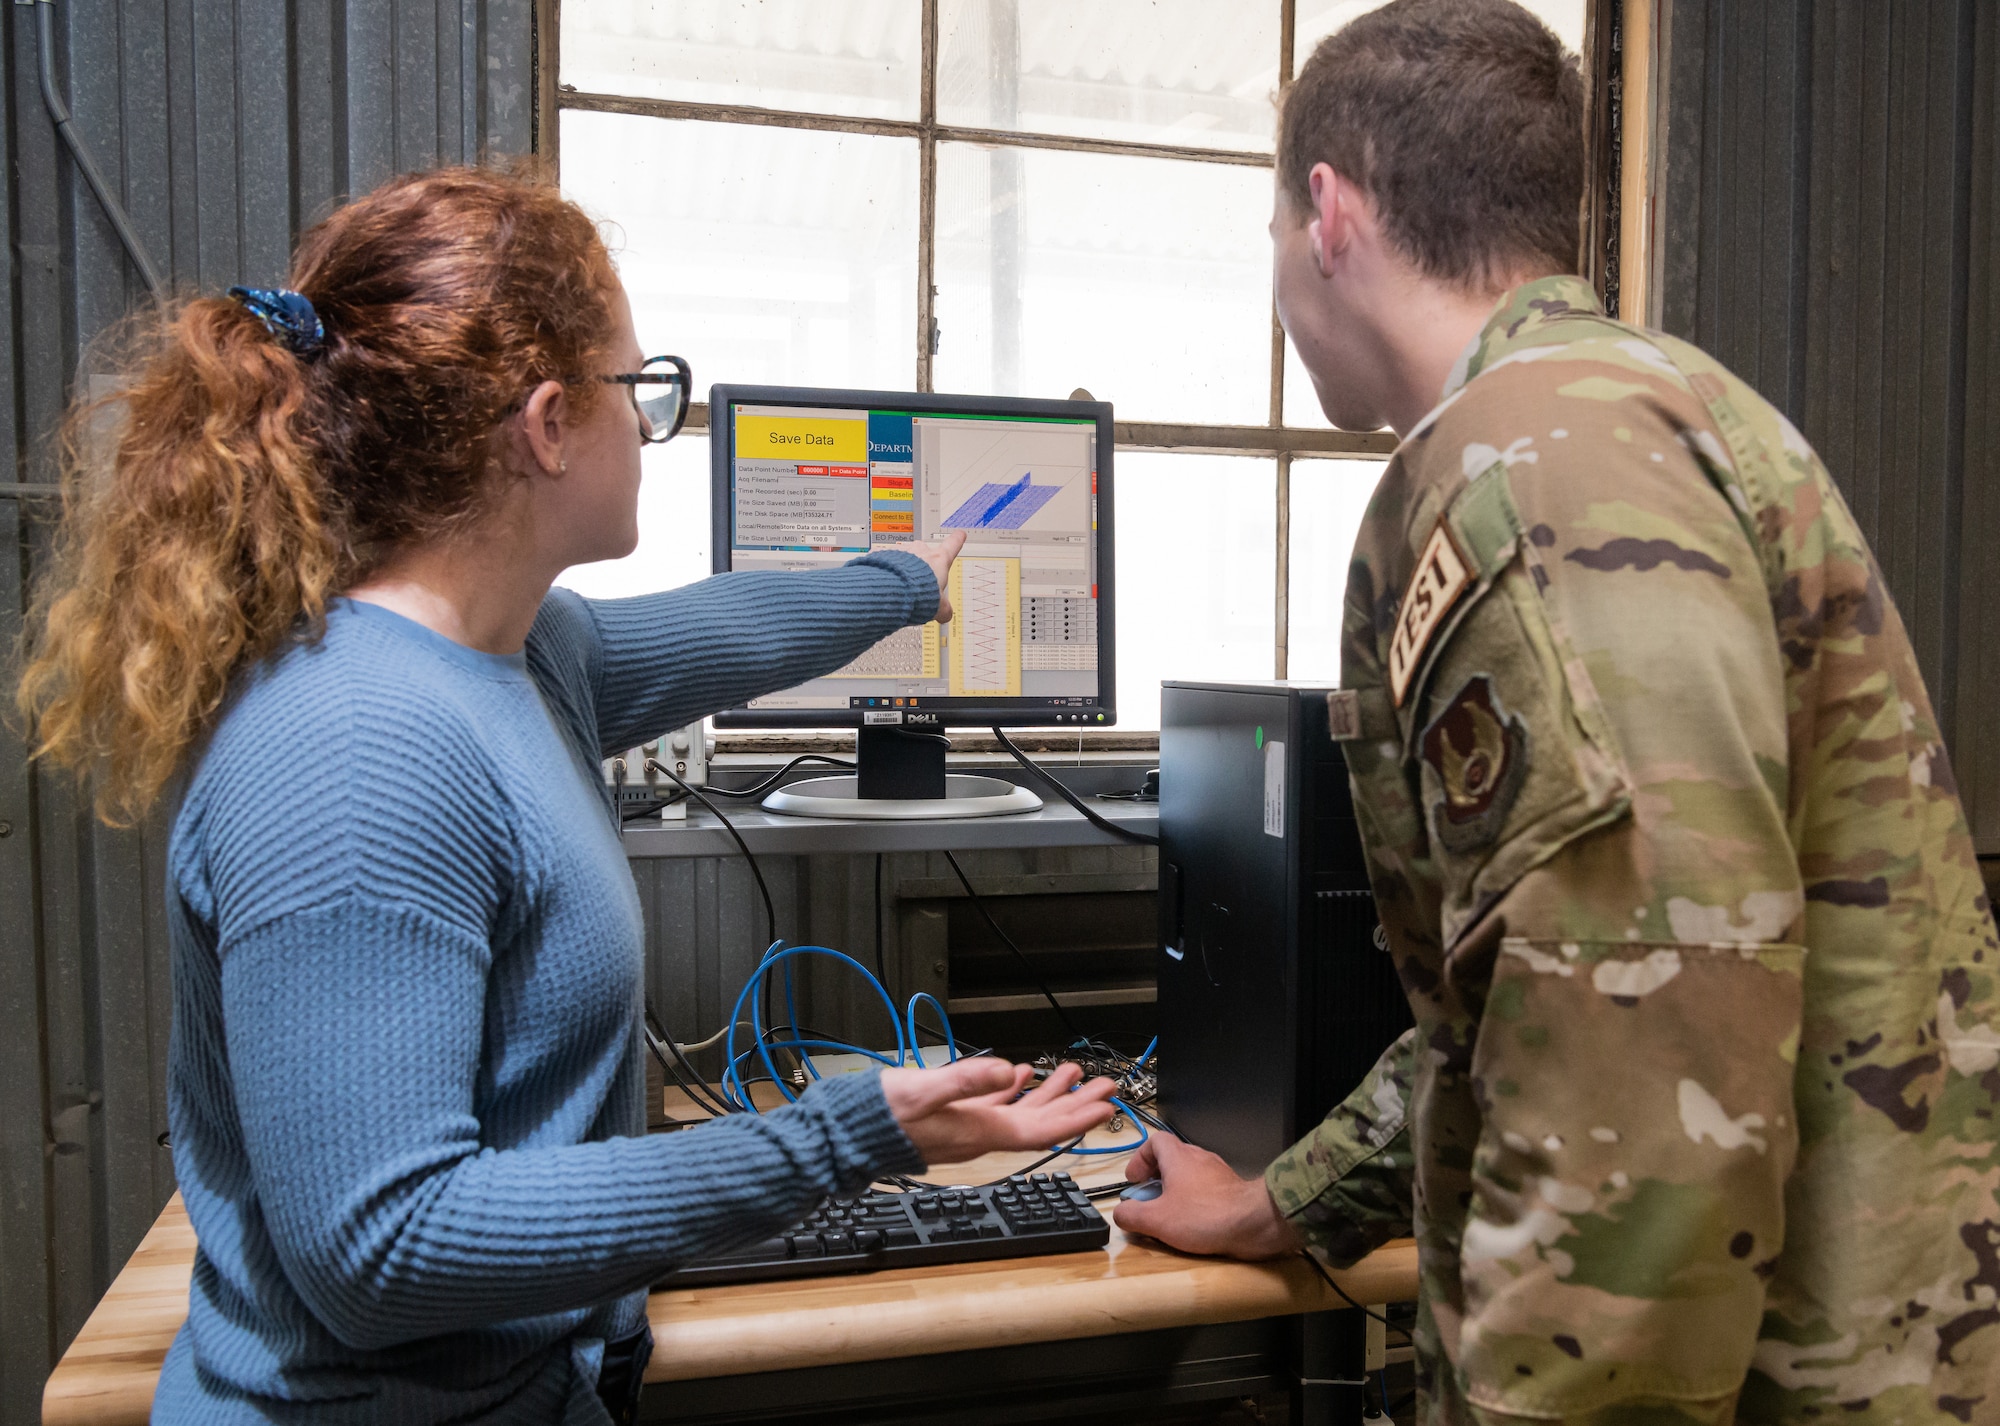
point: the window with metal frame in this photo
(1015, 197)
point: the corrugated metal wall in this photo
(1830, 218)
(227, 127)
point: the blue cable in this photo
(736, 1070)
(1144, 1134)
(773, 958)
(951, 1041)
(792, 1014)
(838, 1045)
(731, 1071)
(1147, 1053)
(733, 1087)
(737, 1093)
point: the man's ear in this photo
(545, 426)
(1331, 228)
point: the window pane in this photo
(1197, 573)
(1319, 18)
(762, 255)
(1301, 401)
(1147, 281)
(673, 527)
(1329, 497)
(1156, 71)
(826, 56)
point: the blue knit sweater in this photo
(405, 1088)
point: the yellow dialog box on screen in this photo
(802, 438)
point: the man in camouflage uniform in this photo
(1697, 1120)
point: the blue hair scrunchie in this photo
(288, 315)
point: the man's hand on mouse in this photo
(1203, 1206)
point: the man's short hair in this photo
(1462, 119)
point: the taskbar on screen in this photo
(1061, 710)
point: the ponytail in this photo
(197, 550)
(269, 454)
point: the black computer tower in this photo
(1277, 992)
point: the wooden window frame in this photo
(1273, 439)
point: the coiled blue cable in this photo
(910, 1015)
(792, 1014)
(737, 1093)
(777, 955)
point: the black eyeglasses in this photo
(666, 412)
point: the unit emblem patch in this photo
(1479, 753)
(1440, 577)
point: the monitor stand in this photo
(900, 776)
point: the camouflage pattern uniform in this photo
(1700, 1097)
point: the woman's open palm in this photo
(959, 1111)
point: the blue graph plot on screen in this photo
(1001, 507)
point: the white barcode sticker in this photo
(1274, 789)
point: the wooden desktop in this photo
(713, 1344)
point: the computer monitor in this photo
(806, 478)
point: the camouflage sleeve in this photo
(1346, 1185)
(1597, 744)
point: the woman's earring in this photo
(562, 465)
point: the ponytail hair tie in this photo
(288, 315)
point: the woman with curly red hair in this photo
(405, 1085)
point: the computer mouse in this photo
(1141, 1192)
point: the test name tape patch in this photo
(1441, 577)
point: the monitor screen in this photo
(807, 479)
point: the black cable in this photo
(694, 1086)
(686, 1076)
(881, 973)
(650, 808)
(1050, 1157)
(772, 781)
(770, 907)
(913, 736)
(1047, 1158)
(1026, 964)
(1096, 1057)
(1105, 823)
(1327, 1278)
(965, 1051)
(807, 1032)
(671, 1060)
(704, 1094)
(1160, 1122)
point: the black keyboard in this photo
(1023, 1216)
